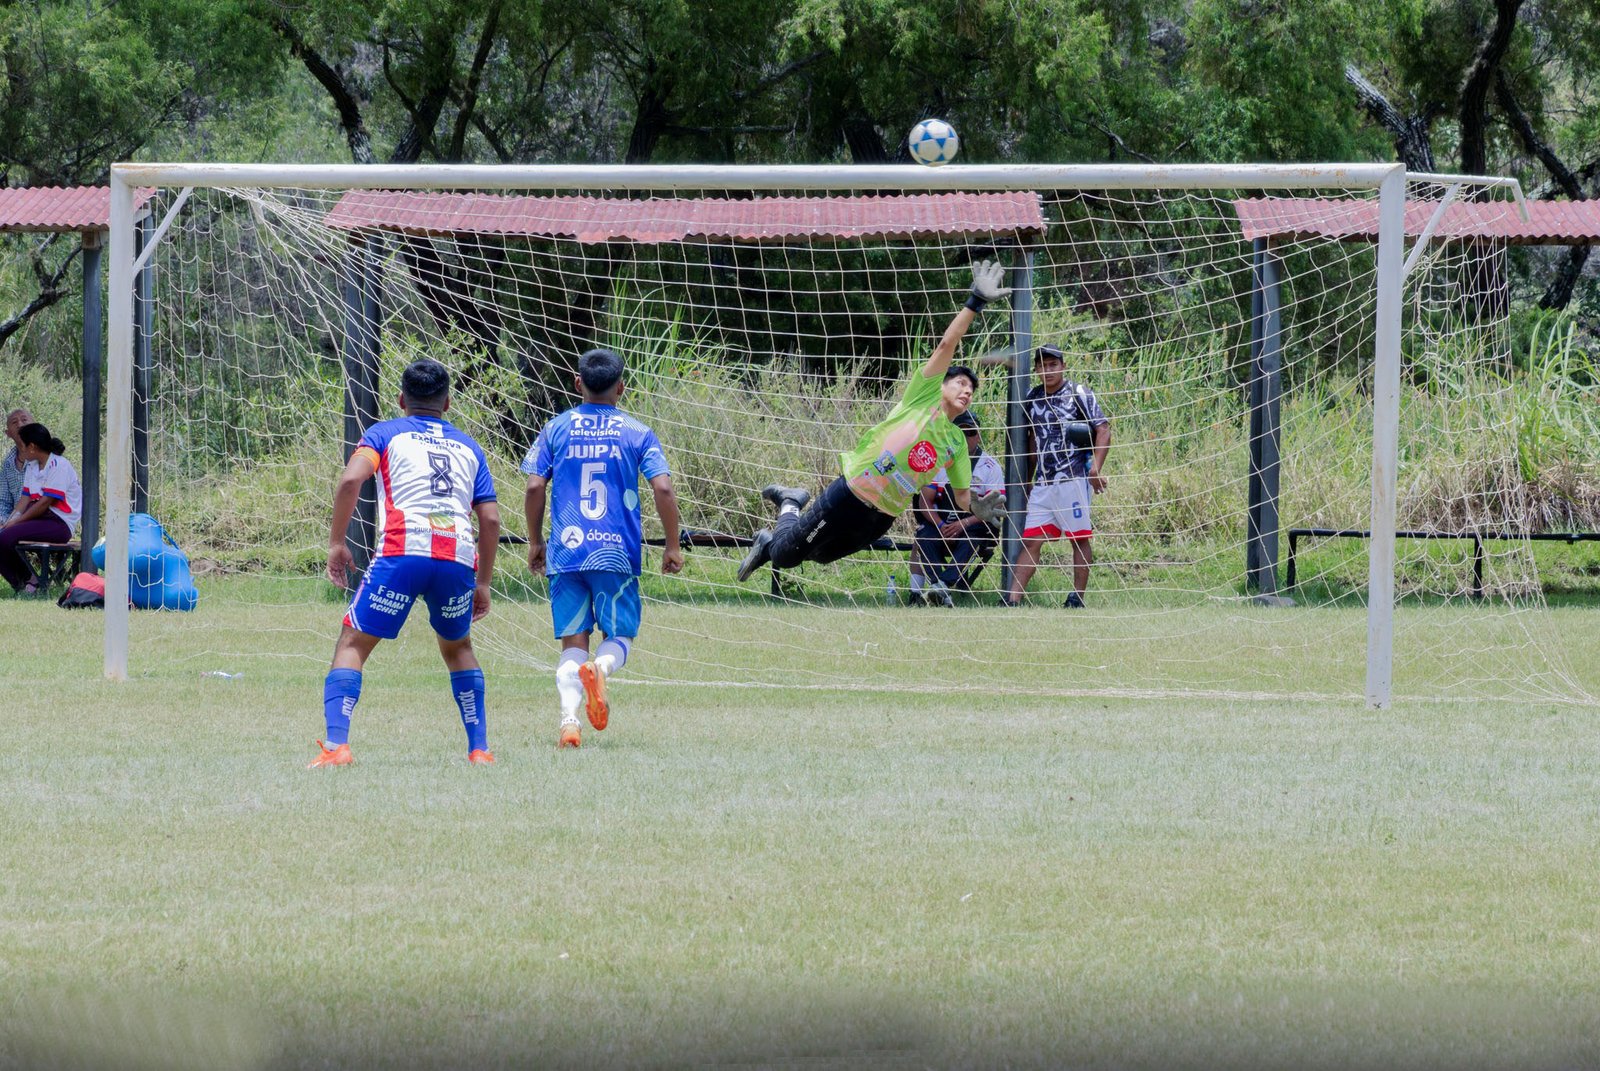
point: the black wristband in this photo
(976, 303)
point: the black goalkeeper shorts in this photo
(835, 525)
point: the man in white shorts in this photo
(1068, 435)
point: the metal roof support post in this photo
(1266, 426)
(93, 376)
(359, 287)
(1252, 518)
(1016, 415)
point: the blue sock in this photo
(467, 686)
(340, 692)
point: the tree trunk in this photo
(1475, 87)
(328, 76)
(1559, 293)
(1413, 134)
(866, 145)
(650, 121)
(50, 291)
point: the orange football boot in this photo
(479, 757)
(594, 690)
(569, 735)
(331, 756)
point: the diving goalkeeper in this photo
(892, 461)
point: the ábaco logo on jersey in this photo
(922, 457)
(572, 537)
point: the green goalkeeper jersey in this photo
(902, 455)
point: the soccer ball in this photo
(933, 142)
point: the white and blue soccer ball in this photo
(933, 142)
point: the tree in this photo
(1519, 80)
(86, 85)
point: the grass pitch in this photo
(807, 878)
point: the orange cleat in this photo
(332, 756)
(569, 735)
(594, 690)
(479, 757)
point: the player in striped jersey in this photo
(433, 481)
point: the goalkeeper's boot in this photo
(331, 756)
(594, 693)
(758, 555)
(916, 598)
(939, 595)
(480, 757)
(780, 496)
(1074, 602)
(569, 735)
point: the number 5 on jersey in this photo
(592, 492)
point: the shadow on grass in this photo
(1001, 1022)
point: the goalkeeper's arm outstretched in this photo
(892, 462)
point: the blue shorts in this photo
(392, 584)
(579, 601)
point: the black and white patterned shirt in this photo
(1048, 415)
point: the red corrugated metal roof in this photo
(58, 208)
(1548, 222)
(665, 219)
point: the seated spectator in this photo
(47, 511)
(947, 538)
(11, 465)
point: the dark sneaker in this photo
(939, 595)
(1074, 602)
(915, 598)
(779, 495)
(758, 556)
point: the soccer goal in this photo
(1297, 363)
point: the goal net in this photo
(1229, 327)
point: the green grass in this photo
(801, 877)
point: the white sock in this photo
(611, 655)
(916, 581)
(568, 686)
(787, 506)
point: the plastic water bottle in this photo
(220, 675)
(893, 599)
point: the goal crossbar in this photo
(761, 177)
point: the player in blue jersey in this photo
(589, 460)
(433, 481)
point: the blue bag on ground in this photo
(158, 572)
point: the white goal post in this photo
(1388, 181)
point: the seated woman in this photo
(48, 509)
(947, 537)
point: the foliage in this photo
(85, 85)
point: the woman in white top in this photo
(48, 509)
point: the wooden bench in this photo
(55, 564)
